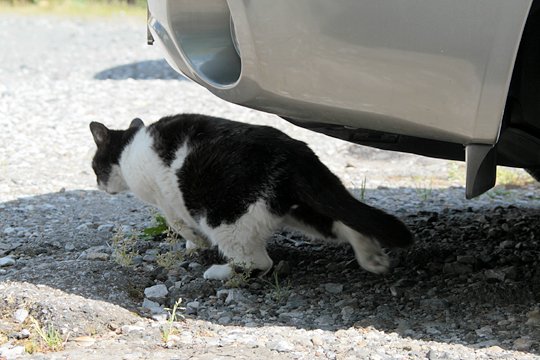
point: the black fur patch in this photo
(108, 154)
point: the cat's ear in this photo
(100, 133)
(136, 123)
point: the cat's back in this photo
(205, 133)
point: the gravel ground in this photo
(468, 288)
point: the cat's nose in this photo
(101, 186)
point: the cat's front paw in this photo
(219, 272)
(376, 262)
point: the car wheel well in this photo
(524, 93)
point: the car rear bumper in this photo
(436, 70)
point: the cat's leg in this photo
(194, 241)
(243, 243)
(368, 252)
(243, 247)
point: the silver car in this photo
(453, 79)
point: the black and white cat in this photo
(225, 183)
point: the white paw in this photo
(219, 272)
(377, 262)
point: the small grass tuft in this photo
(280, 289)
(424, 190)
(363, 189)
(124, 248)
(456, 172)
(513, 177)
(170, 259)
(49, 337)
(168, 329)
(239, 279)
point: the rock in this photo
(192, 307)
(193, 304)
(9, 230)
(347, 313)
(280, 346)
(324, 320)
(222, 293)
(151, 258)
(162, 317)
(494, 274)
(296, 301)
(466, 259)
(485, 331)
(522, 344)
(157, 293)
(438, 355)
(434, 304)
(457, 268)
(105, 228)
(432, 330)
(288, 316)
(194, 266)
(533, 318)
(126, 329)
(487, 344)
(333, 288)
(511, 272)
(84, 341)
(317, 340)
(7, 261)
(20, 315)
(99, 256)
(12, 353)
(507, 244)
(82, 227)
(153, 306)
(235, 296)
(152, 252)
(96, 253)
(224, 320)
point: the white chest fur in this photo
(150, 179)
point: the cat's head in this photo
(110, 144)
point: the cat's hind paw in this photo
(219, 272)
(376, 262)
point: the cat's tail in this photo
(326, 194)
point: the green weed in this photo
(363, 189)
(511, 176)
(424, 190)
(123, 248)
(170, 259)
(280, 290)
(159, 228)
(49, 337)
(239, 279)
(168, 329)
